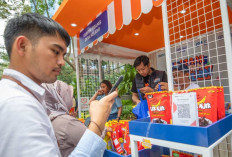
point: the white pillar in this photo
(167, 46)
(227, 40)
(78, 87)
(99, 68)
(75, 54)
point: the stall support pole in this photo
(167, 46)
(227, 40)
(78, 87)
(75, 54)
(134, 146)
(99, 68)
(205, 151)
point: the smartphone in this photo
(116, 84)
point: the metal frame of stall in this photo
(206, 151)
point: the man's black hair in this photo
(33, 26)
(141, 59)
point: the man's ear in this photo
(21, 45)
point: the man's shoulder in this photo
(9, 90)
(157, 72)
(12, 97)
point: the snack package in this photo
(72, 110)
(179, 153)
(126, 143)
(108, 142)
(118, 132)
(116, 143)
(207, 100)
(221, 103)
(176, 153)
(159, 105)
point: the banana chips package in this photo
(210, 103)
(159, 107)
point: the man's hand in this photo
(164, 86)
(146, 90)
(99, 112)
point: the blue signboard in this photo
(94, 30)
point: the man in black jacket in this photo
(147, 78)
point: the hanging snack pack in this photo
(159, 107)
(126, 142)
(116, 143)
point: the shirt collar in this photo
(26, 81)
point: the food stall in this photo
(192, 32)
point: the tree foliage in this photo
(43, 6)
(11, 8)
(4, 60)
(128, 73)
(67, 74)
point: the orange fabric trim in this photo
(157, 3)
(229, 14)
(118, 14)
(95, 42)
(135, 9)
(106, 35)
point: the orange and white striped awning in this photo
(119, 12)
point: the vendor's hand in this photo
(146, 90)
(100, 110)
(163, 86)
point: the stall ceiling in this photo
(149, 26)
(80, 12)
(150, 29)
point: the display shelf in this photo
(197, 139)
(200, 136)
